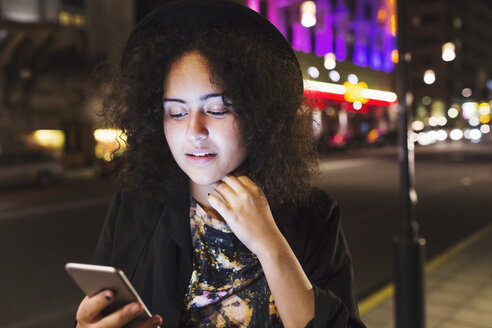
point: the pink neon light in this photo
(254, 4)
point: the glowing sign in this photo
(348, 93)
(353, 92)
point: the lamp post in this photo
(409, 247)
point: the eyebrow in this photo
(202, 98)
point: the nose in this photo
(197, 127)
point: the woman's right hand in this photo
(89, 313)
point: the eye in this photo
(222, 112)
(175, 110)
(179, 115)
(218, 109)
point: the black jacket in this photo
(151, 243)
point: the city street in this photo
(43, 228)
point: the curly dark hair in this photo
(259, 80)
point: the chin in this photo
(205, 180)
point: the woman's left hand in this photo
(245, 209)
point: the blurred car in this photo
(29, 168)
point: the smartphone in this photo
(93, 279)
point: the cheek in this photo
(236, 143)
(170, 136)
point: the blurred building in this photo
(346, 49)
(451, 76)
(42, 47)
(48, 51)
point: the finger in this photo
(122, 316)
(235, 184)
(153, 322)
(219, 206)
(90, 307)
(249, 184)
(225, 191)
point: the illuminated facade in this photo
(363, 31)
(48, 49)
(44, 70)
(346, 50)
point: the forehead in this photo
(190, 73)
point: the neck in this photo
(200, 194)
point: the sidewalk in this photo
(458, 289)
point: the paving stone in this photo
(442, 297)
(439, 310)
(457, 289)
(480, 303)
(432, 322)
(471, 279)
(380, 314)
(454, 325)
(374, 323)
(487, 291)
(432, 283)
(474, 317)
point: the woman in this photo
(216, 222)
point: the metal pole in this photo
(409, 247)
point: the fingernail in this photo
(135, 308)
(108, 297)
(156, 322)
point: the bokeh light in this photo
(417, 125)
(353, 79)
(485, 128)
(429, 76)
(456, 134)
(467, 92)
(453, 112)
(357, 105)
(308, 14)
(313, 72)
(448, 53)
(334, 76)
(330, 61)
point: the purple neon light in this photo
(340, 48)
(368, 50)
(376, 60)
(301, 40)
(324, 36)
(360, 55)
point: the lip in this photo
(198, 157)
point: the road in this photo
(42, 228)
(454, 187)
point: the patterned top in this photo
(228, 287)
